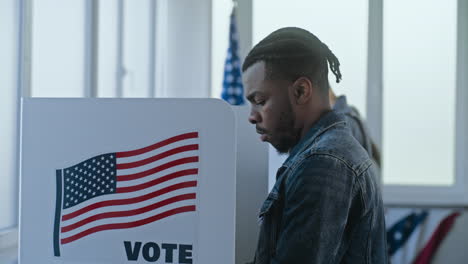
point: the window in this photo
(108, 56)
(221, 11)
(9, 33)
(120, 48)
(424, 97)
(126, 48)
(419, 87)
(58, 48)
(68, 40)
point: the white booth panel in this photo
(127, 181)
(251, 185)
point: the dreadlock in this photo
(290, 53)
(333, 62)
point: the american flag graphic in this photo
(126, 189)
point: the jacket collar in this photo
(341, 105)
(325, 122)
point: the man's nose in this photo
(254, 117)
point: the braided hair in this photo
(290, 53)
(333, 62)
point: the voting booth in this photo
(127, 181)
(251, 184)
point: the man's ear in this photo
(302, 90)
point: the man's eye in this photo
(260, 102)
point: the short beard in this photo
(285, 144)
(288, 135)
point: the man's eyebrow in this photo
(252, 95)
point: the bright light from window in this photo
(58, 48)
(107, 48)
(136, 48)
(221, 11)
(419, 91)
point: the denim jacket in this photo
(326, 205)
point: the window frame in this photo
(418, 195)
(9, 234)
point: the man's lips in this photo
(260, 130)
(263, 135)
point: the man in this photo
(326, 206)
(358, 127)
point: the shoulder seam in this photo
(358, 171)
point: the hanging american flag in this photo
(233, 92)
(399, 232)
(126, 189)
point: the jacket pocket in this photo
(269, 216)
(268, 203)
(274, 194)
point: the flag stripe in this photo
(137, 211)
(129, 200)
(157, 169)
(157, 181)
(168, 141)
(141, 222)
(168, 153)
(125, 219)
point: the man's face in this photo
(271, 109)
